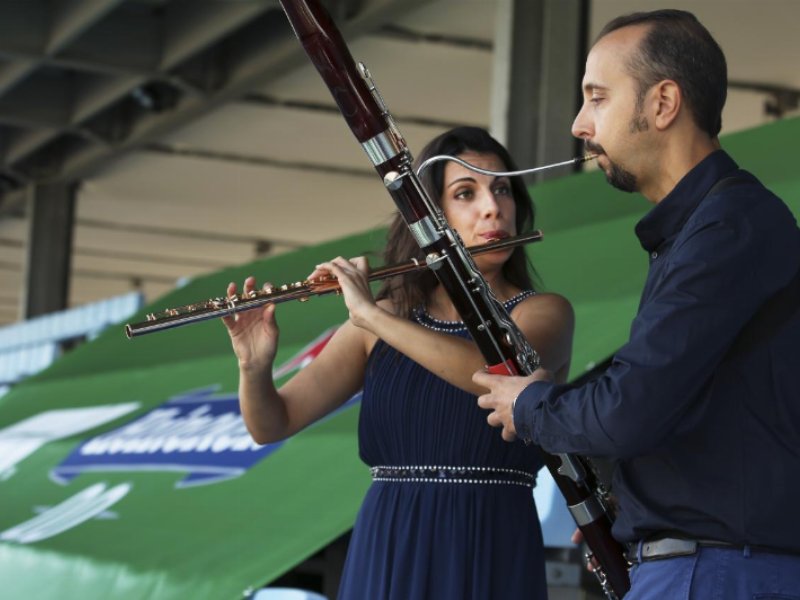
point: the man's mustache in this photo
(593, 148)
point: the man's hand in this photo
(503, 392)
(577, 538)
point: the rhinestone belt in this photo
(430, 474)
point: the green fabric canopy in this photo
(123, 473)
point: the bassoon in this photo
(502, 344)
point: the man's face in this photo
(611, 121)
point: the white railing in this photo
(29, 346)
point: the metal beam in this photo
(71, 122)
(70, 19)
(267, 50)
(129, 48)
(539, 51)
(23, 25)
(47, 269)
(13, 203)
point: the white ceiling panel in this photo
(759, 37)
(278, 163)
(276, 135)
(471, 19)
(247, 200)
(437, 81)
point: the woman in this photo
(450, 511)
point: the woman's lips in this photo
(491, 236)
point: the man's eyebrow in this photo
(593, 87)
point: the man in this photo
(700, 410)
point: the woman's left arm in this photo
(548, 322)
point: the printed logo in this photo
(196, 432)
(87, 504)
(199, 432)
(22, 439)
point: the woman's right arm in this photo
(273, 414)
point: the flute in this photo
(215, 308)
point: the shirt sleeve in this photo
(717, 275)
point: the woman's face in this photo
(479, 207)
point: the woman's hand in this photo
(253, 333)
(352, 277)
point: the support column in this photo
(51, 214)
(539, 55)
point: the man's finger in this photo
(483, 378)
(508, 436)
(486, 401)
(577, 536)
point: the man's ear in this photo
(667, 99)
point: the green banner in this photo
(125, 470)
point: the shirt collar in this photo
(667, 217)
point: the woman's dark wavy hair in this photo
(412, 290)
(678, 47)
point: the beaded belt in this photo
(429, 474)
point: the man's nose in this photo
(582, 126)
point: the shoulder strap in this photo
(738, 177)
(773, 315)
(780, 308)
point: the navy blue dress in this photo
(435, 532)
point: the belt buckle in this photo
(661, 549)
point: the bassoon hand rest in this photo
(500, 341)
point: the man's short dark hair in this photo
(678, 47)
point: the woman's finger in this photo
(360, 263)
(230, 291)
(249, 285)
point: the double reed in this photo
(301, 290)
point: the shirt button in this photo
(654, 255)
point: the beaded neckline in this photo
(422, 317)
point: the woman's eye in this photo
(463, 195)
(595, 100)
(502, 190)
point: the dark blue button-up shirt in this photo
(702, 420)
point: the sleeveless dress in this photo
(450, 512)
